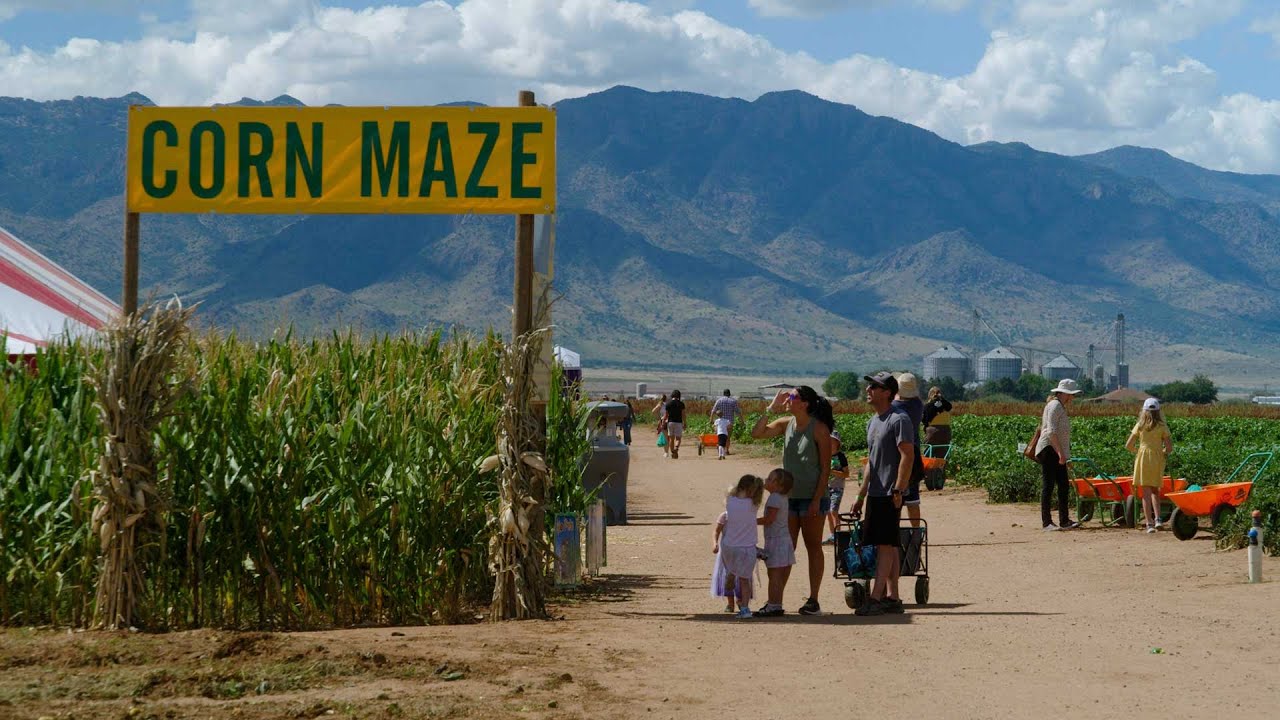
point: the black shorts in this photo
(722, 440)
(880, 526)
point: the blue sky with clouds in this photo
(1194, 77)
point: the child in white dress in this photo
(780, 554)
(736, 547)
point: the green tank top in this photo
(800, 458)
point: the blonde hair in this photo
(750, 487)
(1149, 419)
(783, 478)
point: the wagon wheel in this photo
(1221, 514)
(1118, 516)
(922, 590)
(699, 447)
(1184, 526)
(1084, 510)
(1130, 512)
(854, 595)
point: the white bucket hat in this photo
(907, 386)
(1067, 386)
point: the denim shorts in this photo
(836, 495)
(800, 506)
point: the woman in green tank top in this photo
(806, 454)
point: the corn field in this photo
(300, 484)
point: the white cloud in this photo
(817, 8)
(1065, 75)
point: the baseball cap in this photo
(884, 379)
(835, 435)
(1151, 404)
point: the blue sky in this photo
(1194, 77)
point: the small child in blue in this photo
(780, 553)
(735, 545)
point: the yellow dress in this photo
(1148, 465)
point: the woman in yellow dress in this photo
(1152, 443)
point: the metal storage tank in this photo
(947, 361)
(999, 363)
(1060, 368)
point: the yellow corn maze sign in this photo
(453, 160)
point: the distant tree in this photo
(1088, 388)
(843, 384)
(1033, 388)
(1001, 386)
(952, 389)
(1199, 390)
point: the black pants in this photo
(1052, 473)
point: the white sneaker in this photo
(1150, 529)
(1050, 528)
(1159, 525)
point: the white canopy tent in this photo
(40, 301)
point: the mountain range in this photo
(785, 234)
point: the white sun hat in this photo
(1067, 386)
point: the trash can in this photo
(606, 466)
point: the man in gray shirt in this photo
(727, 406)
(890, 454)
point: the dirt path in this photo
(1020, 623)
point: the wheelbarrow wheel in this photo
(699, 447)
(1130, 512)
(1118, 516)
(922, 590)
(1184, 526)
(1221, 514)
(1084, 511)
(854, 595)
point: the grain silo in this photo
(947, 361)
(999, 363)
(1060, 368)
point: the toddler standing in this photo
(780, 553)
(735, 546)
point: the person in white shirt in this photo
(723, 424)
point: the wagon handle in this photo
(1098, 474)
(929, 451)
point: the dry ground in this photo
(1098, 622)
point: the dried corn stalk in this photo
(136, 389)
(518, 545)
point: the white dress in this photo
(738, 555)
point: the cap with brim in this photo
(835, 435)
(1151, 404)
(885, 380)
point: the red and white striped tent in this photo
(41, 302)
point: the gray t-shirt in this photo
(884, 433)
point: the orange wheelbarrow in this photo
(706, 440)
(1217, 502)
(935, 466)
(1112, 496)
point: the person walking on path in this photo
(627, 422)
(1151, 443)
(722, 434)
(937, 418)
(806, 454)
(890, 454)
(1053, 450)
(779, 550)
(908, 401)
(727, 406)
(675, 423)
(660, 410)
(736, 552)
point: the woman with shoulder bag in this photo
(1052, 450)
